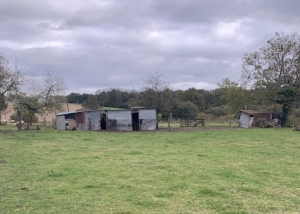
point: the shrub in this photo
(293, 121)
(296, 112)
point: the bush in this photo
(293, 121)
(186, 109)
(218, 111)
(296, 113)
(202, 115)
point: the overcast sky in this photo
(100, 44)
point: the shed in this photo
(250, 118)
(95, 120)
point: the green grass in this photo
(225, 171)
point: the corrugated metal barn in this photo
(249, 118)
(111, 120)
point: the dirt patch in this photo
(9, 133)
(3, 161)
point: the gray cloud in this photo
(102, 44)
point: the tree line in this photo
(270, 81)
(182, 103)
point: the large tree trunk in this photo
(30, 119)
(286, 108)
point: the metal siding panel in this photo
(95, 120)
(80, 120)
(79, 117)
(88, 124)
(119, 120)
(60, 122)
(148, 124)
(147, 114)
(148, 119)
(244, 120)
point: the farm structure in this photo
(249, 118)
(110, 120)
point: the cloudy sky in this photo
(100, 44)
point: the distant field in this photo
(204, 171)
(49, 117)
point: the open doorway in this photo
(250, 124)
(103, 121)
(135, 121)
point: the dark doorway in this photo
(135, 121)
(103, 121)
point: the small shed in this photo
(250, 118)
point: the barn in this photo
(250, 118)
(110, 120)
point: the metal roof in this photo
(67, 112)
(103, 110)
(252, 112)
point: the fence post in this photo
(19, 124)
(169, 120)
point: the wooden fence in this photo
(192, 122)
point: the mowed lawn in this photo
(219, 171)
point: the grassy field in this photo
(208, 171)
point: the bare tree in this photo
(156, 93)
(41, 95)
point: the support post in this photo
(19, 124)
(169, 121)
